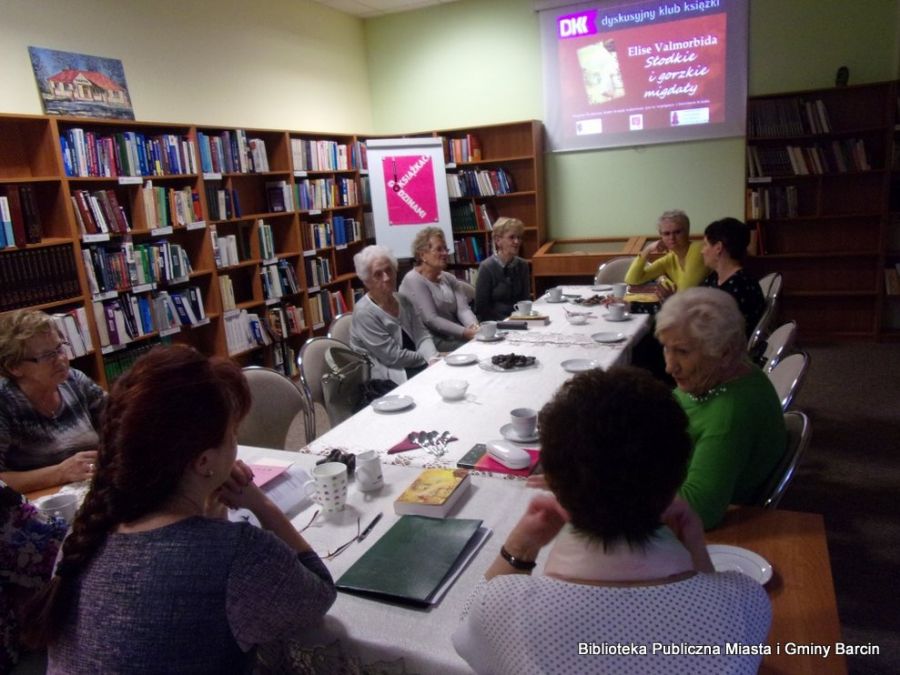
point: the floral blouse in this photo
(28, 546)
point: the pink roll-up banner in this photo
(410, 189)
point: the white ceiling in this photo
(366, 9)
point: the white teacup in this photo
(452, 390)
(523, 307)
(330, 481)
(487, 330)
(616, 311)
(619, 290)
(524, 421)
(368, 471)
(576, 319)
(555, 294)
(62, 505)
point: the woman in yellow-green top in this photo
(682, 262)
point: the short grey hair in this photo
(363, 260)
(711, 317)
(678, 217)
(423, 240)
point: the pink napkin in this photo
(265, 473)
(403, 446)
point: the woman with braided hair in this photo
(152, 577)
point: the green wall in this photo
(477, 62)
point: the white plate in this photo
(487, 365)
(579, 365)
(607, 338)
(736, 559)
(627, 317)
(460, 359)
(601, 287)
(392, 403)
(554, 302)
(496, 338)
(510, 434)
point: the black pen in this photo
(369, 527)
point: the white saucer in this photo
(579, 365)
(460, 359)
(392, 403)
(736, 559)
(496, 338)
(607, 338)
(509, 434)
(554, 302)
(601, 287)
(627, 317)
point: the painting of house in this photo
(81, 85)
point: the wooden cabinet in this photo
(818, 184)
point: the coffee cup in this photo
(523, 308)
(619, 290)
(330, 483)
(60, 505)
(616, 311)
(368, 471)
(555, 294)
(487, 330)
(524, 421)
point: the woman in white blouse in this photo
(439, 297)
(385, 324)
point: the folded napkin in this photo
(403, 446)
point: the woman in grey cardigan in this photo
(385, 323)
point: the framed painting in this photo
(80, 84)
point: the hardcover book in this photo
(416, 561)
(433, 493)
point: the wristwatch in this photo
(518, 563)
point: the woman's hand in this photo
(541, 522)
(657, 246)
(687, 526)
(79, 466)
(470, 331)
(665, 290)
(240, 492)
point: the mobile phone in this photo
(470, 459)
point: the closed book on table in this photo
(416, 560)
(433, 493)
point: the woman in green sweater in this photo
(682, 262)
(736, 421)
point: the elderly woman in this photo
(438, 296)
(385, 323)
(681, 262)
(628, 565)
(736, 422)
(725, 244)
(503, 279)
(153, 577)
(49, 412)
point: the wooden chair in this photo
(778, 344)
(798, 435)
(613, 271)
(340, 327)
(276, 403)
(787, 376)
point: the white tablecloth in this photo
(491, 395)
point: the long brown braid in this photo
(169, 408)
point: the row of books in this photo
(469, 217)
(777, 201)
(323, 307)
(117, 364)
(790, 116)
(35, 276)
(346, 230)
(170, 207)
(279, 196)
(340, 231)
(284, 360)
(228, 249)
(483, 183)
(73, 326)
(322, 155)
(318, 271)
(468, 250)
(892, 280)
(839, 156)
(279, 280)
(20, 219)
(467, 274)
(325, 193)
(266, 240)
(125, 266)
(286, 319)
(222, 204)
(99, 212)
(126, 153)
(244, 331)
(130, 316)
(232, 152)
(463, 149)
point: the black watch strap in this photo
(518, 563)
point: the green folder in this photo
(414, 560)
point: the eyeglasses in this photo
(49, 356)
(343, 547)
(439, 249)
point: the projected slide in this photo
(644, 72)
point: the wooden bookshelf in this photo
(819, 180)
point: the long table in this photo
(361, 630)
(491, 395)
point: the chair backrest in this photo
(771, 289)
(311, 363)
(340, 327)
(276, 403)
(613, 271)
(798, 435)
(787, 376)
(771, 285)
(778, 344)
